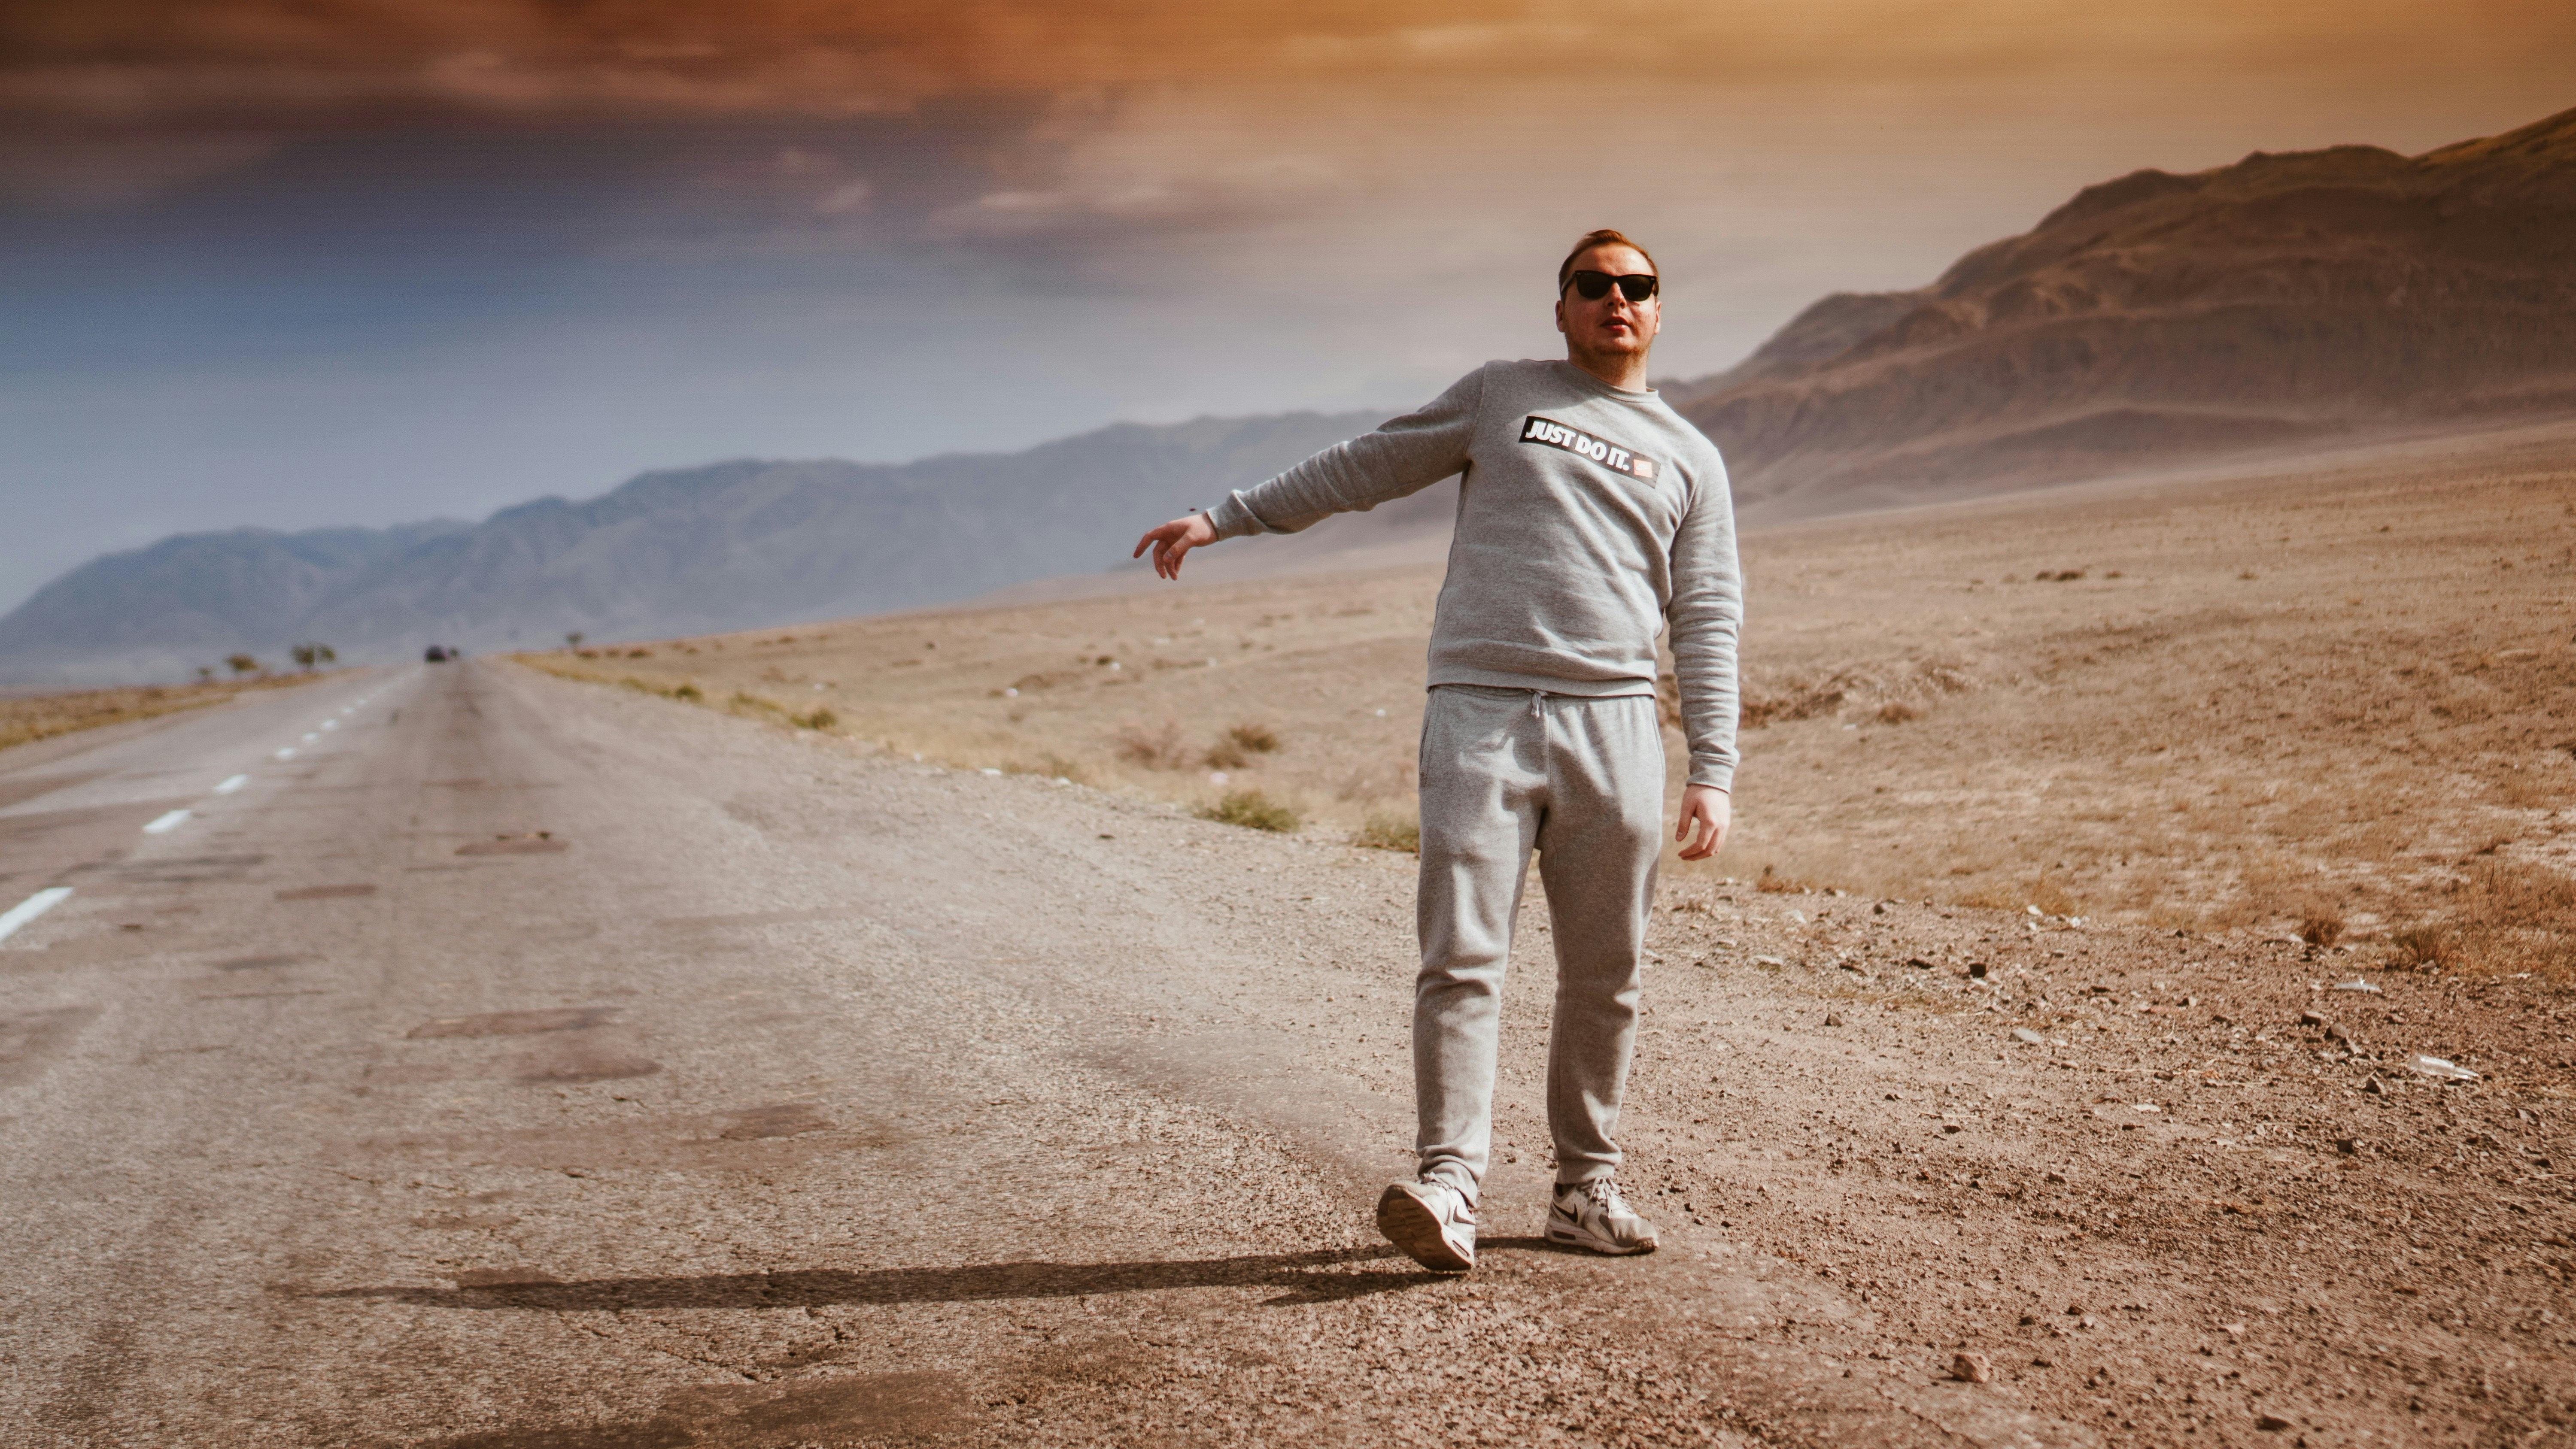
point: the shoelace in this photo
(1604, 1193)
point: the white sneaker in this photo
(1593, 1216)
(1431, 1222)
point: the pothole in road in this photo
(570, 1070)
(784, 1120)
(260, 963)
(540, 843)
(513, 1023)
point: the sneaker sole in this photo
(1574, 1237)
(1410, 1226)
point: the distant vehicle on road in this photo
(438, 654)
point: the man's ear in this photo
(1560, 314)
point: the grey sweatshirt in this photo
(1587, 517)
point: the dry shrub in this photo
(1252, 810)
(820, 719)
(1758, 710)
(2043, 893)
(2430, 947)
(689, 692)
(1390, 830)
(1155, 749)
(2322, 926)
(2507, 916)
(1774, 883)
(1225, 754)
(1254, 737)
(1058, 767)
(1897, 711)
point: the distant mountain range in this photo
(2275, 303)
(731, 546)
(2280, 301)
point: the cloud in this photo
(147, 94)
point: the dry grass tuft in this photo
(1254, 737)
(2511, 917)
(1389, 830)
(2429, 947)
(1157, 748)
(2042, 893)
(1897, 711)
(2321, 927)
(1252, 810)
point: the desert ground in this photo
(2338, 694)
(816, 1043)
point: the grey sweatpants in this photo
(1505, 771)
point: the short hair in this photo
(1605, 237)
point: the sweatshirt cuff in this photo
(1231, 519)
(1714, 774)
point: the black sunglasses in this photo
(1593, 286)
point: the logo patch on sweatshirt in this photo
(1536, 429)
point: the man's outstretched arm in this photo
(1171, 540)
(1405, 456)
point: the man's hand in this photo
(1174, 539)
(1707, 807)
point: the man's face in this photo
(1613, 325)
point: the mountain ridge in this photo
(2289, 297)
(742, 543)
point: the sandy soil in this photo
(2240, 701)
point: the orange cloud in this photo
(128, 61)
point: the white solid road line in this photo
(235, 783)
(167, 823)
(30, 908)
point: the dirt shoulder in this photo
(2177, 1217)
(27, 718)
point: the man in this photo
(1589, 513)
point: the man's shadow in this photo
(1313, 1277)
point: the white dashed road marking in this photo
(30, 908)
(235, 783)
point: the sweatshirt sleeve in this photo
(1405, 456)
(1706, 617)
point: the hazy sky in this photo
(306, 262)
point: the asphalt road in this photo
(520, 1063)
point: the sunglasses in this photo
(1593, 286)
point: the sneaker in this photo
(1431, 1222)
(1592, 1215)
